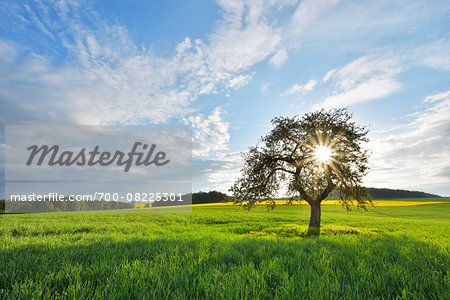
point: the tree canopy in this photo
(307, 157)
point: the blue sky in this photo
(228, 67)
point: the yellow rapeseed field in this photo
(379, 203)
(141, 204)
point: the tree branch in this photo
(267, 178)
(304, 195)
(330, 185)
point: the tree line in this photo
(197, 198)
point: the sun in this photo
(322, 154)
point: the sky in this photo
(227, 68)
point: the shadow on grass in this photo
(370, 266)
(294, 231)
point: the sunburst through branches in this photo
(322, 154)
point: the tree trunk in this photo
(314, 221)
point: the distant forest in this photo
(397, 194)
(199, 198)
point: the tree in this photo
(310, 157)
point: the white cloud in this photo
(244, 37)
(371, 89)
(301, 89)
(356, 26)
(239, 81)
(418, 157)
(438, 97)
(102, 76)
(366, 68)
(365, 79)
(309, 10)
(329, 75)
(210, 88)
(279, 58)
(436, 54)
(106, 78)
(217, 173)
(210, 134)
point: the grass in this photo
(218, 252)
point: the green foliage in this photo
(288, 157)
(221, 253)
(196, 198)
(209, 197)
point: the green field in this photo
(218, 252)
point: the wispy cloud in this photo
(239, 81)
(217, 173)
(300, 89)
(438, 97)
(435, 54)
(107, 78)
(101, 75)
(307, 11)
(365, 79)
(329, 75)
(417, 157)
(279, 58)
